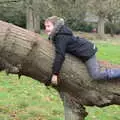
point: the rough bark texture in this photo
(26, 53)
(101, 26)
(32, 17)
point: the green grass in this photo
(27, 99)
(109, 50)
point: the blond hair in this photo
(55, 20)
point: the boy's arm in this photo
(60, 45)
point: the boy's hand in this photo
(54, 80)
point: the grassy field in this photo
(27, 99)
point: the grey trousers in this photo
(97, 74)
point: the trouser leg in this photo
(113, 73)
(96, 73)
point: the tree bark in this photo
(25, 53)
(111, 25)
(72, 111)
(32, 17)
(9, 1)
(101, 23)
(36, 23)
(29, 17)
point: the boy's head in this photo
(52, 23)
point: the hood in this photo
(64, 31)
(60, 30)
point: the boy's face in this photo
(48, 27)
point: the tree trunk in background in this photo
(32, 17)
(36, 23)
(23, 52)
(29, 18)
(101, 26)
(111, 25)
(111, 30)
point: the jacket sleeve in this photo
(60, 46)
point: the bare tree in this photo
(103, 9)
(113, 17)
(32, 16)
(34, 10)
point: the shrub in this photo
(115, 28)
(78, 25)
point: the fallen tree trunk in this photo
(25, 53)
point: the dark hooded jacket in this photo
(66, 42)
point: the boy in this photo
(65, 42)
